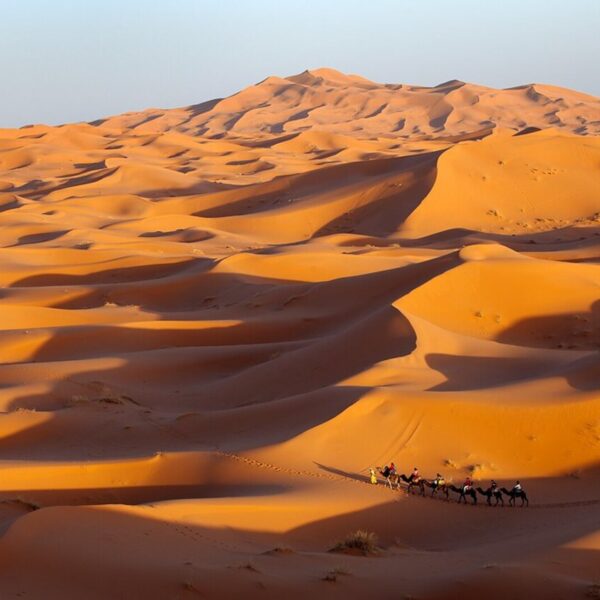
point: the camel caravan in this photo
(440, 486)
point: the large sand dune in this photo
(215, 319)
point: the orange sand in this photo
(215, 319)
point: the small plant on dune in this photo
(360, 542)
(77, 399)
(279, 550)
(29, 504)
(476, 469)
(334, 573)
(188, 586)
(244, 566)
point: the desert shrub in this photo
(279, 550)
(359, 542)
(334, 573)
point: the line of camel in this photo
(393, 479)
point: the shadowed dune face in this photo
(227, 313)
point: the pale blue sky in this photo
(71, 60)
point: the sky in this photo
(74, 60)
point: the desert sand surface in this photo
(216, 319)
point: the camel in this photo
(391, 479)
(436, 487)
(513, 494)
(489, 493)
(409, 480)
(463, 495)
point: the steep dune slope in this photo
(507, 185)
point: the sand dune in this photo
(330, 101)
(217, 318)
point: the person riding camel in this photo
(493, 486)
(414, 476)
(389, 470)
(467, 485)
(517, 487)
(439, 480)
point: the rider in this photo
(414, 476)
(439, 480)
(517, 487)
(493, 486)
(467, 485)
(387, 471)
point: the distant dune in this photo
(328, 100)
(217, 318)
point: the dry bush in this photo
(360, 542)
(334, 573)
